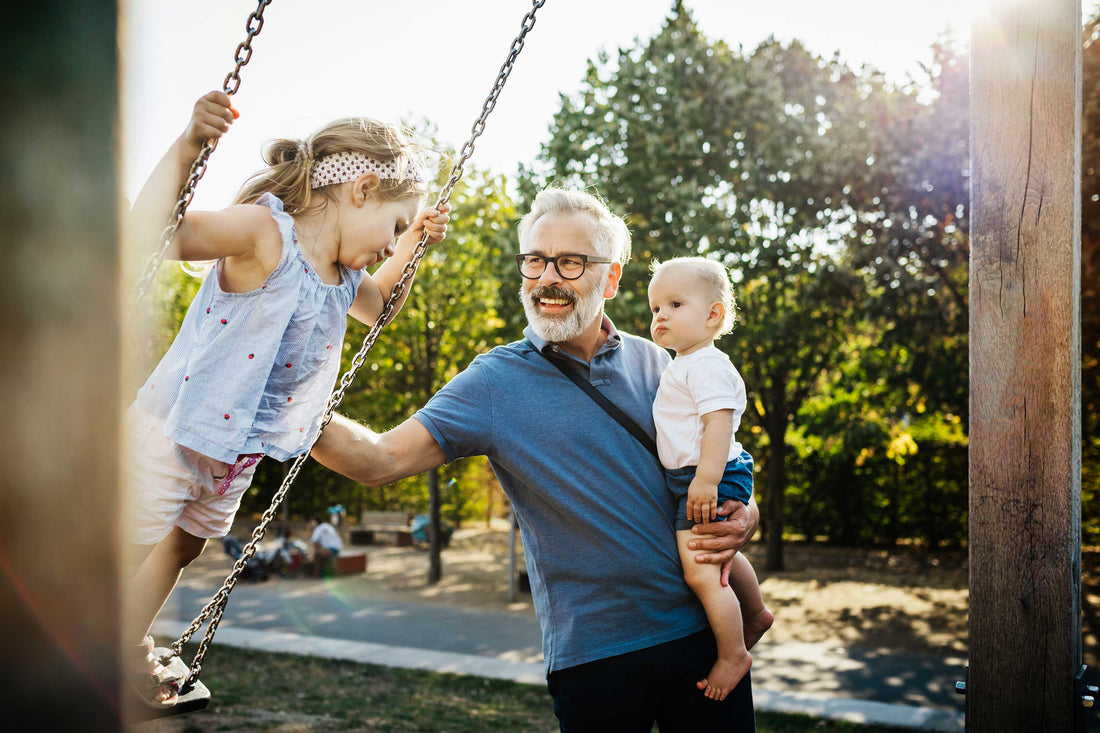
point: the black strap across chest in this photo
(563, 365)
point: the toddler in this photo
(697, 410)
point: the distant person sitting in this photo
(325, 542)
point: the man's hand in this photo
(720, 541)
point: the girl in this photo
(254, 362)
(698, 408)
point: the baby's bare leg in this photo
(724, 615)
(757, 618)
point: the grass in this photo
(259, 691)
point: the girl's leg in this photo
(146, 592)
(757, 618)
(724, 615)
(150, 587)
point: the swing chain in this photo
(214, 609)
(230, 86)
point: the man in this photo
(625, 640)
(325, 542)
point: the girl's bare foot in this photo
(756, 625)
(724, 676)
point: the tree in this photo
(448, 319)
(759, 161)
(913, 246)
(910, 244)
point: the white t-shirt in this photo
(326, 536)
(691, 386)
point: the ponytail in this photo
(290, 163)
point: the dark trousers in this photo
(629, 692)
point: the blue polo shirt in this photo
(596, 516)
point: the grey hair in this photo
(713, 276)
(610, 236)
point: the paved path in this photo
(328, 618)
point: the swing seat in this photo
(190, 698)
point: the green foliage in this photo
(840, 202)
(1090, 284)
(774, 163)
(912, 244)
(169, 297)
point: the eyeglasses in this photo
(569, 267)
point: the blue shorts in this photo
(736, 484)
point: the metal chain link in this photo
(214, 609)
(232, 83)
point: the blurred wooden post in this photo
(59, 371)
(1025, 426)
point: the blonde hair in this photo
(291, 161)
(610, 236)
(715, 278)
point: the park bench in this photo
(346, 563)
(373, 527)
(350, 563)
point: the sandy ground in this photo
(903, 598)
(850, 597)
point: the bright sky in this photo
(316, 60)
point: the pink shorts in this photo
(168, 485)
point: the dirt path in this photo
(896, 599)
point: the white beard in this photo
(556, 329)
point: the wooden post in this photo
(59, 371)
(1025, 390)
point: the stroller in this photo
(421, 529)
(285, 559)
(256, 568)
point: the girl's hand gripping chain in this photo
(210, 119)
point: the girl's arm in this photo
(702, 498)
(243, 232)
(375, 289)
(210, 118)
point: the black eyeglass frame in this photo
(585, 261)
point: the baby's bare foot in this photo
(756, 625)
(724, 676)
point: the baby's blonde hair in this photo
(715, 278)
(290, 162)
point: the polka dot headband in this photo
(343, 167)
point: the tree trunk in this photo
(777, 481)
(435, 565)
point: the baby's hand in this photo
(432, 221)
(702, 501)
(210, 119)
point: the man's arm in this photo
(720, 541)
(361, 454)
